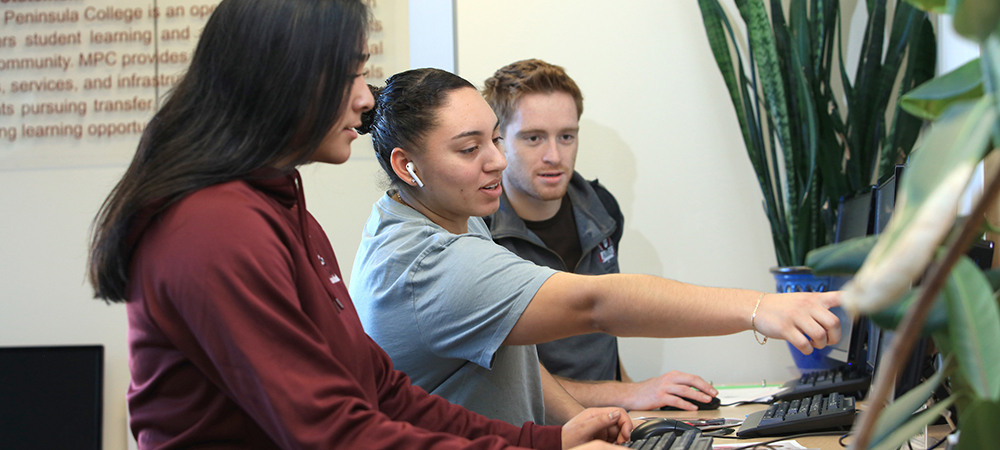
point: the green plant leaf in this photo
(843, 258)
(937, 319)
(867, 115)
(938, 173)
(899, 436)
(930, 99)
(957, 383)
(942, 340)
(957, 138)
(976, 19)
(934, 6)
(906, 36)
(802, 103)
(921, 61)
(889, 318)
(990, 51)
(974, 324)
(714, 19)
(903, 408)
(766, 57)
(979, 425)
(993, 277)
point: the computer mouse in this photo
(658, 426)
(713, 404)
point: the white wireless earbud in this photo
(409, 168)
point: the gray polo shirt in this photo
(441, 305)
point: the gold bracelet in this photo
(753, 317)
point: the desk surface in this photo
(821, 442)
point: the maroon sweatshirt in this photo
(242, 335)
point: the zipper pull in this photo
(333, 280)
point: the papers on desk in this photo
(782, 445)
(729, 395)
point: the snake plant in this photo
(813, 132)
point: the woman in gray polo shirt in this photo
(460, 314)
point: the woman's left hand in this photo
(606, 424)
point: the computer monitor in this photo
(873, 346)
(854, 216)
(851, 347)
(885, 202)
(982, 254)
(880, 340)
(51, 397)
(885, 199)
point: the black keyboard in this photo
(816, 413)
(689, 440)
(849, 380)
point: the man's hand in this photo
(803, 319)
(669, 389)
(605, 424)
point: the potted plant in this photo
(812, 133)
(955, 302)
(808, 143)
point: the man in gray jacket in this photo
(551, 215)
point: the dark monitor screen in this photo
(982, 254)
(854, 217)
(874, 346)
(912, 372)
(51, 397)
(846, 350)
(885, 199)
(881, 340)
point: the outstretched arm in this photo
(641, 305)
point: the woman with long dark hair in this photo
(460, 314)
(241, 331)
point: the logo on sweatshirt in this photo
(607, 250)
(334, 279)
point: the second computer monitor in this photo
(885, 199)
(854, 216)
(854, 219)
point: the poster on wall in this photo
(79, 79)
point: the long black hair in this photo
(267, 81)
(405, 111)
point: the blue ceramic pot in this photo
(801, 279)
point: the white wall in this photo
(44, 298)
(657, 129)
(432, 34)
